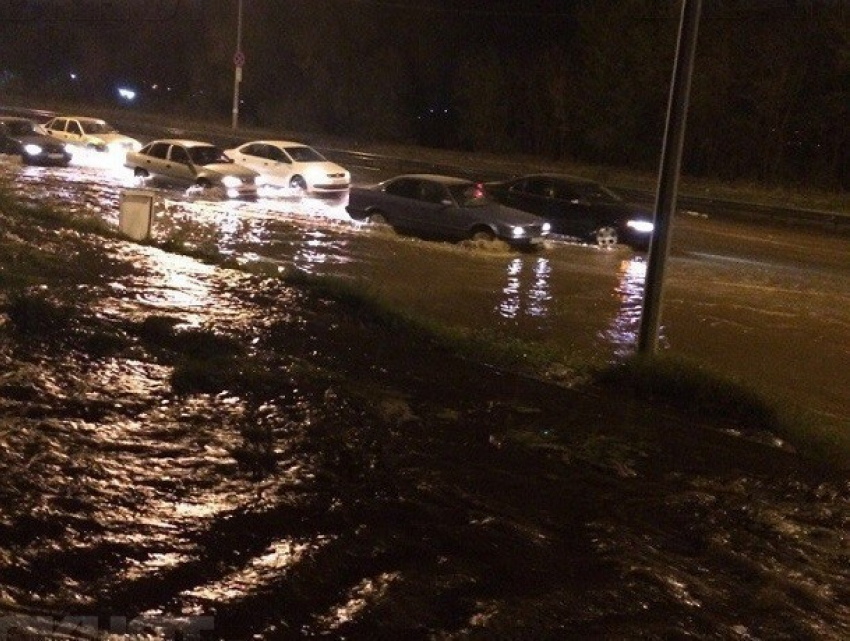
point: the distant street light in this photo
(238, 63)
(668, 175)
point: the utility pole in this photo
(238, 63)
(668, 178)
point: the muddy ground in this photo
(188, 448)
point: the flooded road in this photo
(768, 305)
(196, 452)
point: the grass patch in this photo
(688, 386)
(162, 331)
(34, 314)
(24, 266)
(213, 374)
(49, 215)
(692, 388)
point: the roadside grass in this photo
(50, 215)
(690, 387)
(24, 266)
(34, 314)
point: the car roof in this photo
(282, 143)
(439, 178)
(15, 119)
(183, 142)
(564, 177)
(81, 118)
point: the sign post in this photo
(668, 178)
(238, 63)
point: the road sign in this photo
(239, 59)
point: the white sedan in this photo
(192, 164)
(282, 163)
(90, 133)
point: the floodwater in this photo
(769, 306)
(332, 489)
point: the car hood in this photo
(34, 139)
(227, 169)
(507, 215)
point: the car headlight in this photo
(231, 182)
(518, 232)
(33, 150)
(546, 228)
(641, 226)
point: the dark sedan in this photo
(578, 208)
(443, 207)
(21, 137)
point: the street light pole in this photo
(238, 61)
(668, 178)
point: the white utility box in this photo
(136, 212)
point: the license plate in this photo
(55, 156)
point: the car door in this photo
(531, 194)
(179, 165)
(438, 213)
(279, 165)
(74, 133)
(153, 159)
(574, 213)
(252, 156)
(56, 128)
(544, 196)
(400, 205)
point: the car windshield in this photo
(469, 194)
(97, 127)
(304, 154)
(592, 192)
(207, 155)
(20, 128)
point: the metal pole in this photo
(668, 179)
(237, 67)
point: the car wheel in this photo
(606, 237)
(377, 218)
(298, 182)
(138, 172)
(482, 234)
(203, 183)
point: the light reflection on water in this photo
(532, 299)
(178, 288)
(622, 332)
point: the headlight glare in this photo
(642, 226)
(546, 228)
(231, 182)
(33, 150)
